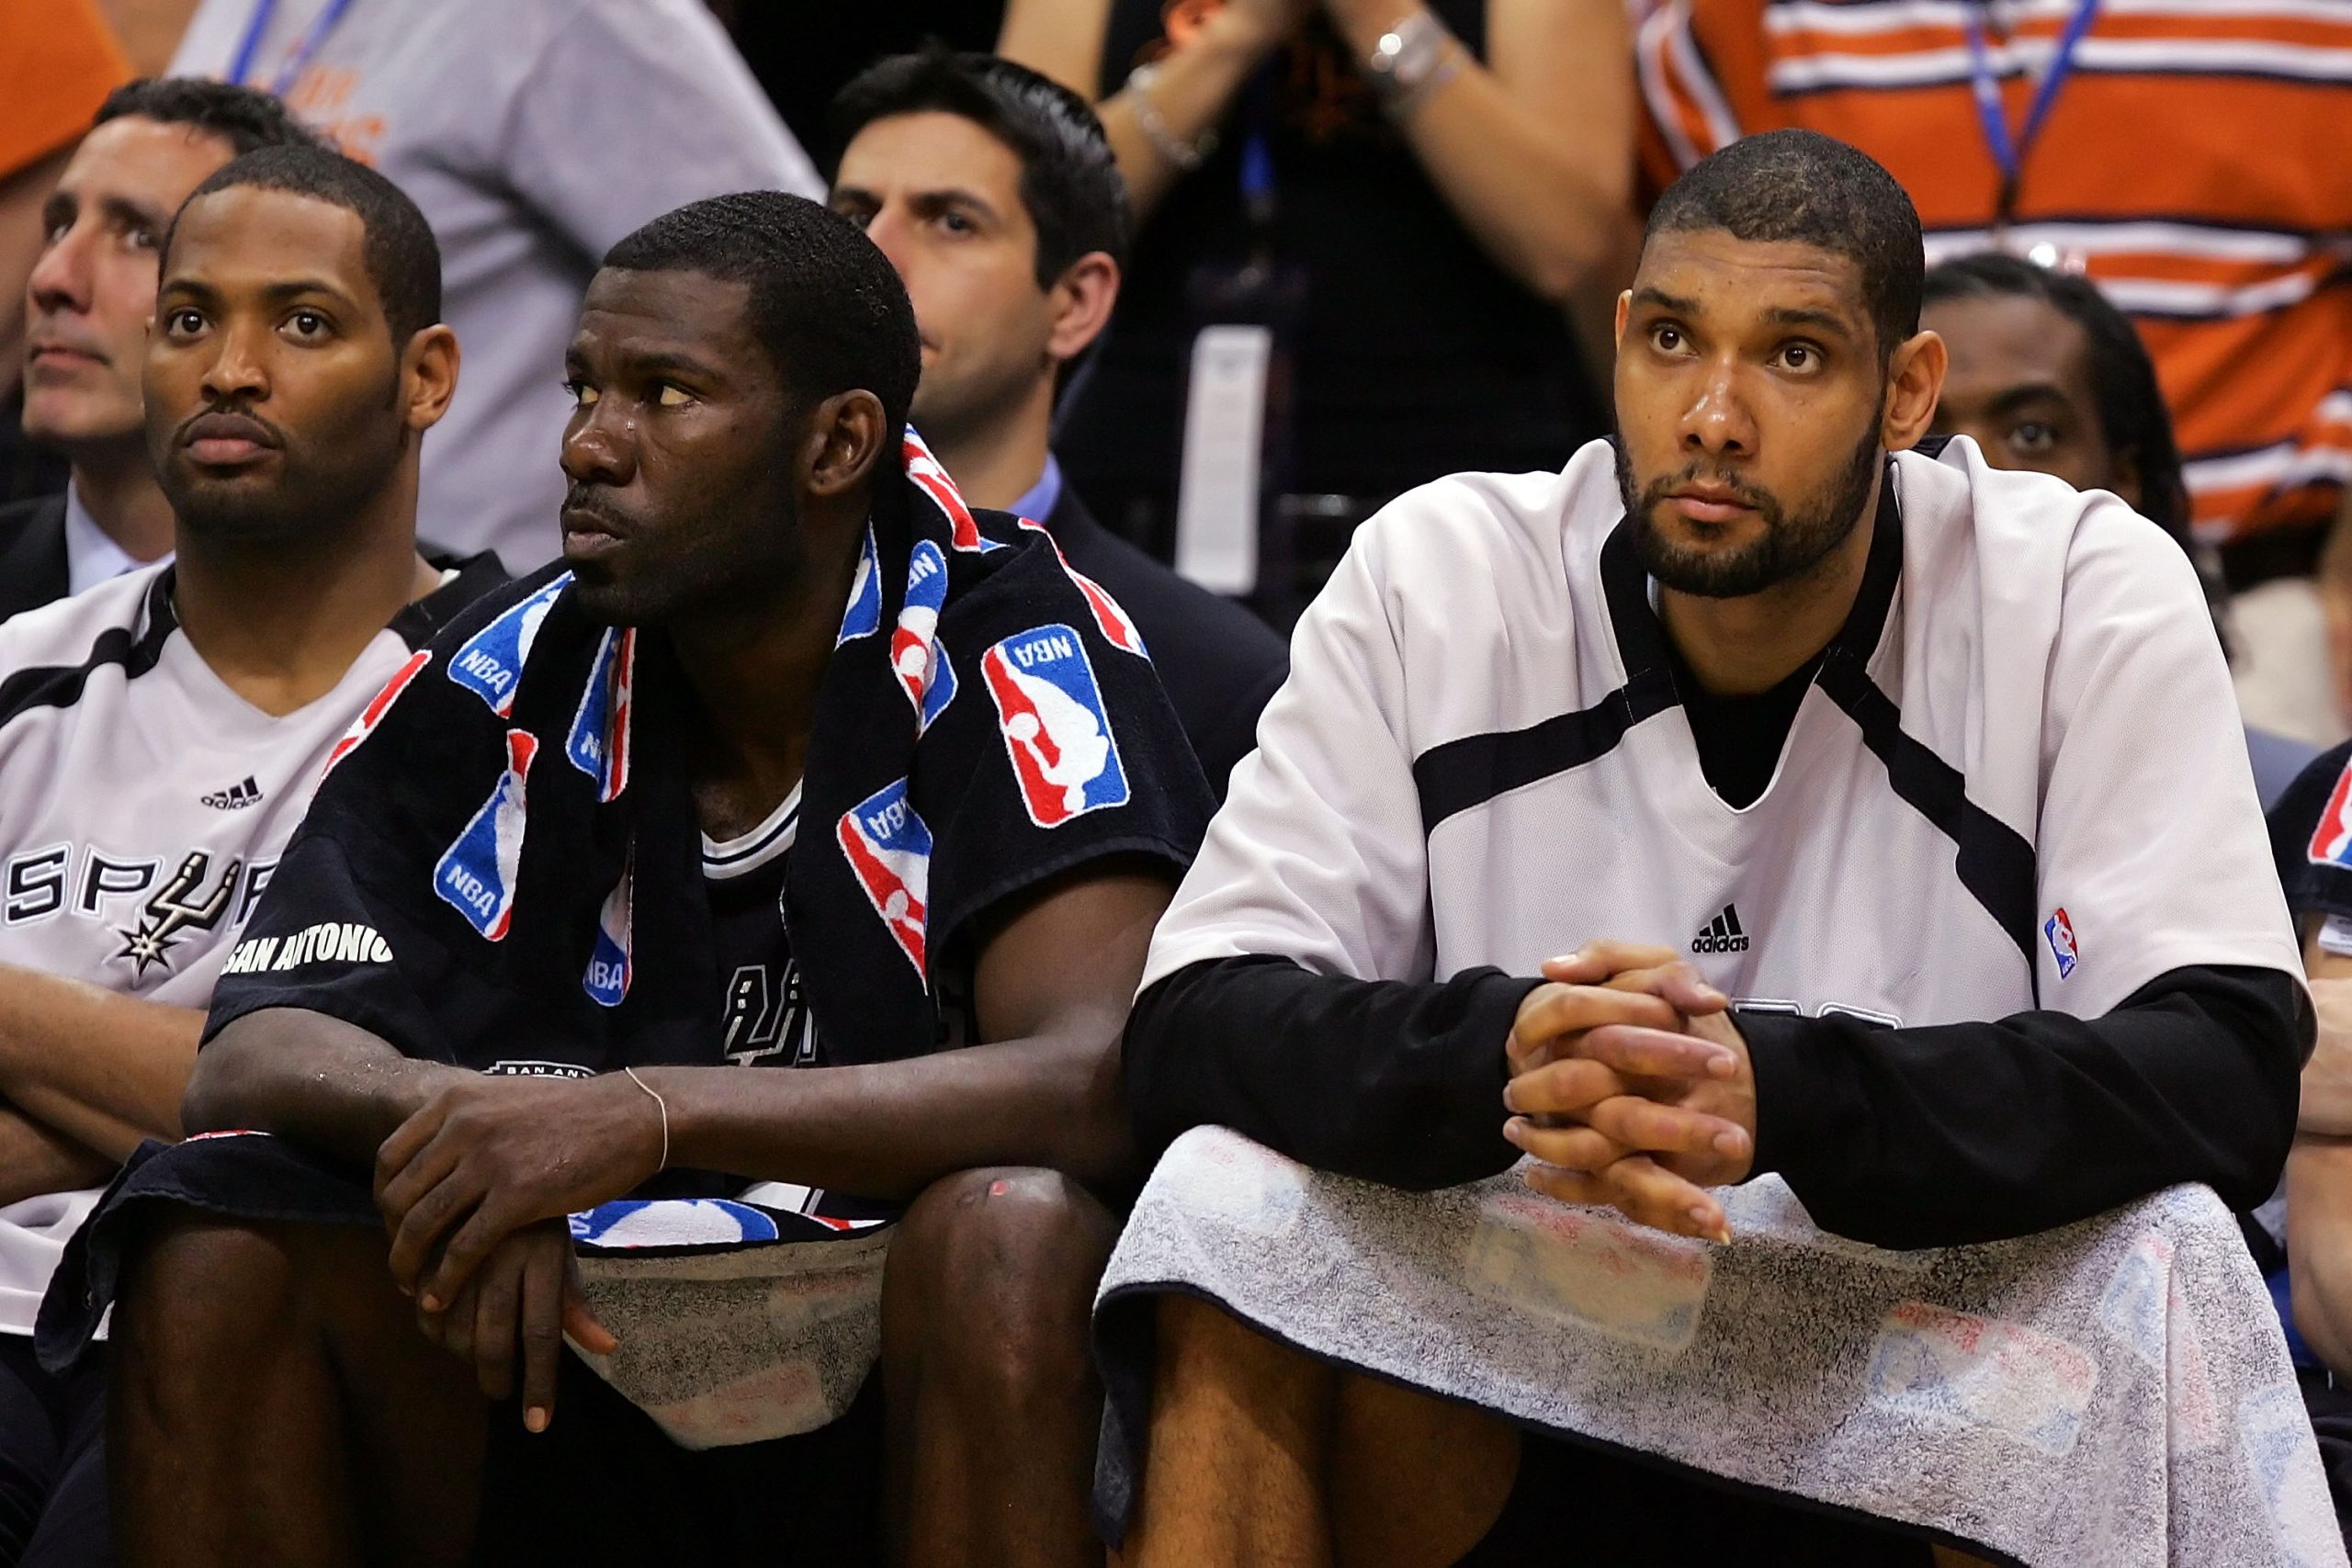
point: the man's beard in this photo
(305, 503)
(1790, 545)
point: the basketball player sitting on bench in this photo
(161, 734)
(1938, 763)
(666, 880)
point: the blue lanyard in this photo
(304, 47)
(2007, 151)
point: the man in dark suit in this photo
(87, 308)
(993, 191)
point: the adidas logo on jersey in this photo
(236, 797)
(1722, 933)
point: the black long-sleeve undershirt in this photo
(1901, 1137)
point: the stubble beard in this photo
(1792, 543)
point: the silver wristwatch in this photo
(1407, 60)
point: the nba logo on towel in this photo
(2061, 932)
(2332, 839)
(1055, 727)
(490, 663)
(910, 639)
(1117, 626)
(942, 690)
(608, 962)
(373, 714)
(476, 876)
(863, 616)
(933, 480)
(599, 743)
(889, 852)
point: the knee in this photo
(194, 1292)
(992, 1274)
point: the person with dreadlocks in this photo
(556, 897)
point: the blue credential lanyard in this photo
(2009, 151)
(242, 65)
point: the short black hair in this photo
(403, 260)
(1802, 187)
(2130, 405)
(245, 118)
(1069, 180)
(825, 301)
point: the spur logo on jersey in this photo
(378, 706)
(609, 966)
(933, 480)
(476, 875)
(490, 663)
(864, 616)
(1055, 728)
(1111, 617)
(2060, 930)
(182, 905)
(599, 743)
(918, 627)
(888, 847)
(2332, 839)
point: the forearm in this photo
(1547, 195)
(1974, 1131)
(889, 1129)
(1191, 94)
(2319, 1246)
(311, 1079)
(105, 1069)
(36, 1160)
(1391, 1081)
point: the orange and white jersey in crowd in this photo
(2196, 159)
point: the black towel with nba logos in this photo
(504, 870)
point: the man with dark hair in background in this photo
(161, 734)
(993, 191)
(87, 305)
(2047, 375)
(800, 764)
(1920, 783)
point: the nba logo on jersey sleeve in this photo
(888, 847)
(608, 979)
(476, 875)
(599, 743)
(864, 616)
(2061, 932)
(373, 714)
(490, 663)
(933, 480)
(2332, 839)
(911, 638)
(1055, 728)
(1111, 617)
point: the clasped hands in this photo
(1631, 1086)
(476, 1189)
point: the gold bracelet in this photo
(665, 1115)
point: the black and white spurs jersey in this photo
(2015, 780)
(143, 805)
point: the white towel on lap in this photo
(2115, 1392)
(738, 1322)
